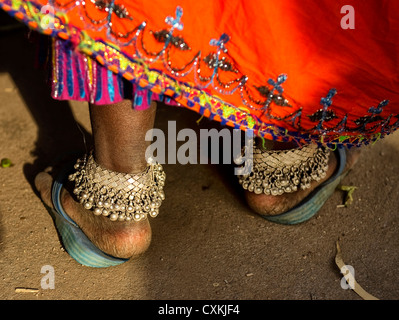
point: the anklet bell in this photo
(285, 171)
(119, 196)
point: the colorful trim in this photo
(77, 77)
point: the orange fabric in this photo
(303, 40)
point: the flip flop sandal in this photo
(75, 242)
(314, 201)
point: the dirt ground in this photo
(207, 244)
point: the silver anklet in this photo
(119, 196)
(284, 171)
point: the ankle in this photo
(132, 164)
(273, 203)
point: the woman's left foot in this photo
(273, 205)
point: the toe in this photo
(43, 183)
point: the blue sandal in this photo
(313, 202)
(75, 242)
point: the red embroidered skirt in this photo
(316, 71)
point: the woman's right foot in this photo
(118, 239)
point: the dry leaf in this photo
(26, 290)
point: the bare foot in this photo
(118, 239)
(273, 205)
